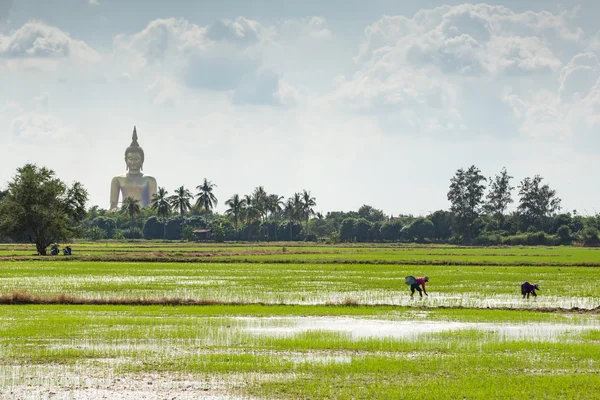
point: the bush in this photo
(589, 237)
(334, 238)
(564, 234)
(133, 233)
(530, 239)
(188, 233)
(488, 240)
(311, 237)
(390, 231)
(107, 224)
(153, 228)
(95, 233)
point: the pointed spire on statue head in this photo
(135, 146)
(134, 138)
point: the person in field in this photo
(416, 284)
(529, 288)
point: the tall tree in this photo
(274, 203)
(131, 208)
(236, 208)
(466, 197)
(206, 199)
(308, 202)
(371, 214)
(537, 202)
(40, 207)
(499, 195)
(181, 201)
(249, 211)
(162, 206)
(293, 210)
(290, 213)
(260, 201)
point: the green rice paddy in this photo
(331, 322)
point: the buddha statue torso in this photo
(133, 183)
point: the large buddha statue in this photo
(133, 183)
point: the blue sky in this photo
(359, 102)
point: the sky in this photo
(358, 102)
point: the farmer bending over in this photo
(416, 284)
(529, 288)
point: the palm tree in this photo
(181, 201)
(259, 201)
(274, 203)
(251, 212)
(131, 207)
(205, 196)
(308, 203)
(236, 207)
(162, 206)
(289, 212)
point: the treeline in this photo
(38, 207)
(477, 216)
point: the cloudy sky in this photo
(361, 102)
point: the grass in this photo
(235, 320)
(302, 283)
(130, 341)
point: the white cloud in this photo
(571, 114)
(314, 27)
(431, 72)
(94, 2)
(38, 40)
(515, 55)
(469, 38)
(542, 117)
(224, 56)
(165, 91)
(286, 94)
(42, 99)
(578, 76)
(39, 126)
(11, 107)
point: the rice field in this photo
(297, 322)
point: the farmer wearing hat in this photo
(416, 284)
(529, 288)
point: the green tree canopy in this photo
(206, 199)
(40, 207)
(466, 197)
(537, 201)
(499, 195)
(371, 214)
(162, 206)
(236, 207)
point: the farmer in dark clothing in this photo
(529, 288)
(416, 284)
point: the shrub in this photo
(589, 237)
(133, 233)
(564, 234)
(95, 233)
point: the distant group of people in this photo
(54, 250)
(417, 284)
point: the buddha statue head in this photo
(134, 155)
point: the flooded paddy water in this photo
(356, 328)
(306, 329)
